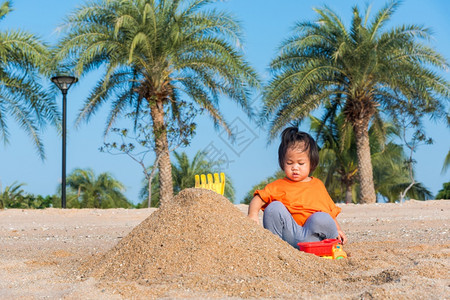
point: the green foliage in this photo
(446, 163)
(368, 64)
(444, 193)
(157, 53)
(391, 175)
(22, 59)
(361, 71)
(338, 165)
(36, 202)
(14, 196)
(183, 174)
(86, 190)
(338, 162)
(157, 49)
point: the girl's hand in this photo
(254, 207)
(254, 218)
(342, 237)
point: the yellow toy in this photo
(338, 253)
(215, 185)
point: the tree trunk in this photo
(162, 151)
(348, 194)
(149, 198)
(411, 176)
(149, 178)
(364, 161)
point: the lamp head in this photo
(64, 82)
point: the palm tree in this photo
(391, 177)
(102, 191)
(156, 53)
(361, 71)
(338, 161)
(444, 193)
(183, 173)
(446, 163)
(11, 195)
(22, 58)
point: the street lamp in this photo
(64, 83)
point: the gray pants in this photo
(318, 226)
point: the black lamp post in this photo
(64, 83)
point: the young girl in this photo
(298, 207)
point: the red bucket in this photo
(322, 248)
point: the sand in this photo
(202, 246)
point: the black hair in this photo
(290, 137)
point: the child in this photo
(298, 207)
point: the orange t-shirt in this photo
(302, 199)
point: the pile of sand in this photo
(202, 243)
(396, 251)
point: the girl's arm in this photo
(342, 235)
(254, 207)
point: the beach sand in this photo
(202, 246)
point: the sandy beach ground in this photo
(396, 251)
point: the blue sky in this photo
(265, 24)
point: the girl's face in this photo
(297, 164)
